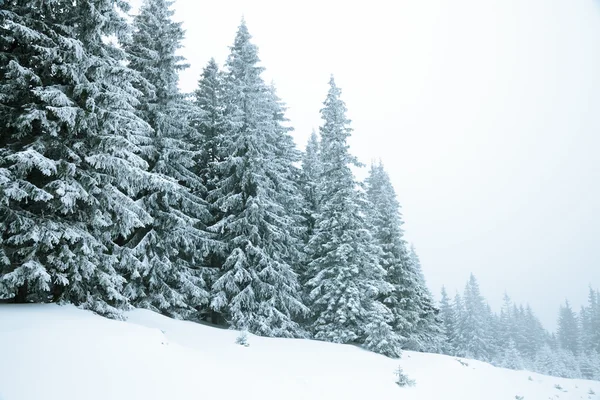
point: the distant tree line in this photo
(516, 339)
(118, 191)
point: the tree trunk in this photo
(21, 296)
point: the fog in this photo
(485, 114)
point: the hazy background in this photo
(485, 113)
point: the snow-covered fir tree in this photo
(428, 331)
(209, 121)
(385, 222)
(534, 333)
(71, 151)
(567, 332)
(345, 278)
(257, 288)
(510, 357)
(589, 319)
(547, 362)
(311, 172)
(475, 337)
(448, 321)
(458, 339)
(166, 275)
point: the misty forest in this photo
(119, 191)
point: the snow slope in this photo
(51, 352)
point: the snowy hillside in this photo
(50, 352)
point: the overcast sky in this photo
(486, 114)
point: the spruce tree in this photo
(311, 172)
(71, 152)
(345, 278)
(167, 276)
(474, 327)
(534, 333)
(590, 322)
(507, 324)
(428, 331)
(447, 317)
(209, 121)
(257, 288)
(458, 339)
(511, 358)
(385, 221)
(568, 331)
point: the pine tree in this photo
(511, 358)
(257, 288)
(345, 277)
(507, 323)
(311, 172)
(534, 333)
(493, 326)
(547, 362)
(70, 158)
(406, 300)
(568, 332)
(447, 316)
(167, 276)
(428, 331)
(458, 340)
(590, 322)
(209, 121)
(474, 327)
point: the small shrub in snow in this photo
(530, 378)
(242, 339)
(464, 364)
(402, 379)
(591, 392)
(517, 397)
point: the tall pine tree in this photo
(447, 316)
(568, 329)
(344, 275)
(167, 276)
(474, 327)
(257, 288)
(70, 152)
(311, 173)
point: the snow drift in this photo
(58, 353)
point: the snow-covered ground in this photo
(48, 352)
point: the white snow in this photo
(55, 352)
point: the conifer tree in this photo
(590, 322)
(345, 277)
(170, 251)
(534, 333)
(568, 332)
(547, 362)
(70, 152)
(385, 221)
(458, 340)
(311, 172)
(511, 358)
(448, 318)
(428, 332)
(257, 288)
(209, 121)
(474, 328)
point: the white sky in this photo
(486, 114)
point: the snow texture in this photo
(55, 352)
